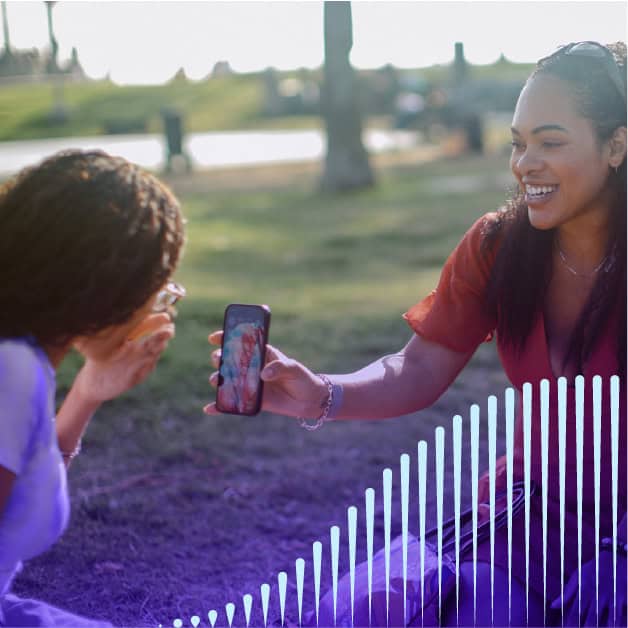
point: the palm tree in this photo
(5, 28)
(346, 163)
(54, 46)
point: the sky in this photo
(147, 42)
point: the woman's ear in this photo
(618, 144)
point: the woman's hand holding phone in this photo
(290, 388)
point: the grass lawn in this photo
(175, 513)
(221, 103)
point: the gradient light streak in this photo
(527, 440)
(510, 427)
(439, 443)
(282, 581)
(265, 594)
(615, 477)
(475, 460)
(213, 616)
(387, 480)
(492, 448)
(247, 602)
(545, 391)
(352, 526)
(422, 475)
(369, 498)
(579, 469)
(597, 439)
(299, 567)
(404, 464)
(457, 448)
(562, 453)
(230, 611)
(334, 539)
(317, 552)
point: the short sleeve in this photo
(20, 375)
(455, 314)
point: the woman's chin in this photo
(541, 219)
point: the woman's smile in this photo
(538, 195)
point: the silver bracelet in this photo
(70, 455)
(328, 404)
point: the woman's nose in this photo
(527, 162)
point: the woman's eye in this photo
(516, 145)
(549, 144)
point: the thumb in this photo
(272, 371)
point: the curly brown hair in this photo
(522, 268)
(86, 239)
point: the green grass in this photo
(222, 103)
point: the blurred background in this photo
(328, 157)
(123, 69)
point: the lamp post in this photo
(5, 28)
(54, 46)
(59, 113)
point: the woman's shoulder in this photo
(20, 364)
(477, 244)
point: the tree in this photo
(5, 28)
(54, 46)
(346, 163)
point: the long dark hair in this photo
(86, 239)
(523, 264)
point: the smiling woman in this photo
(548, 274)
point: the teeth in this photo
(541, 189)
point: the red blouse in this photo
(454, 315)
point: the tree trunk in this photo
(346, 163)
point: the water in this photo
(207, 150)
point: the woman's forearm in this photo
(72, 419)
(407, 381)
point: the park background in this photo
(175, 513)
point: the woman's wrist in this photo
(330, 400)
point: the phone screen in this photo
(243, 353)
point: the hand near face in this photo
(102, 379)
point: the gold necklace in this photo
(573, 270)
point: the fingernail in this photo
(270, 371)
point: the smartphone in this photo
(245, 334)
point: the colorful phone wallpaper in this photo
(241, 364)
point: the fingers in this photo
(215, 338)
(149, 325)
(215, 358)
(213, 379)
(211, 410)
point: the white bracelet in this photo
(325, 416)
(70, 455)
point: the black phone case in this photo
(265, 315)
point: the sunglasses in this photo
(168, 297)
(595, 50)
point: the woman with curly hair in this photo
(87, 246)
(548, 275)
